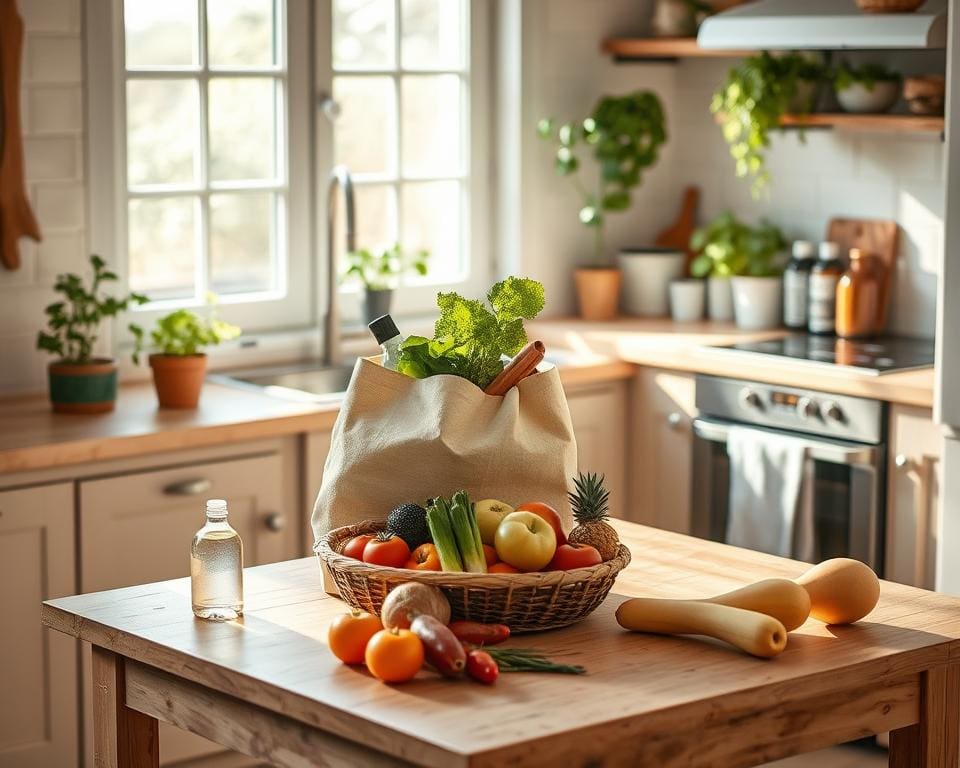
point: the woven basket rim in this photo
(326, 550)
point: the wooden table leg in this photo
(934, 742)
(122, 737)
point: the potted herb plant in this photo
(624, 135)
(869, 89)
(78, 381)
(745, 259)
(380, 272)
(757, 93)
(179, 363)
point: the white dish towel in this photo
(771, 508)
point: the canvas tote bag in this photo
(399, 439)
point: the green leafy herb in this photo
(471, 338)
(867, 75)
(381, 270)
(186, 333)
(74, 322)
(727, 246)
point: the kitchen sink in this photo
(305, 382)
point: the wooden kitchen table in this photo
(268, 686)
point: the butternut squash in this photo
(784, 600)
(841, 590)
(752, 632)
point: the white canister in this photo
(757, 302)
(687, 298)
(647, 273)
(719, 299)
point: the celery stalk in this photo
(463, 523)
(438, 521)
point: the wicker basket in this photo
(525, 602)
(889, 6)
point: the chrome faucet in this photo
(330, 332)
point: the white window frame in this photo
(291, 303)
(418, 297)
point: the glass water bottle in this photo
(216, 567)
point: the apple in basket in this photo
(525, 541)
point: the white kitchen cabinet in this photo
(599, 416)
(38, 667)
(663, 406)
(136, 528)
(914, 472)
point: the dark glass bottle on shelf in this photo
(824, 276)
(796, 283)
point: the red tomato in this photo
(549, 514)
(424, 558)
(354, 547)
(570, 556)
(490, 554)
(393, 552)
(502, 568)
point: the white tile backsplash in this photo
(53, 59)
(51, 157)
(54, 109)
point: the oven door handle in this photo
(830, 452)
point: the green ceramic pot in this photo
(83, 387)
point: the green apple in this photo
(489, 513)
(525, 541)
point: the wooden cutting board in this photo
(878, 238)
(16, 217)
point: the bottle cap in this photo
(383, 329)
(803, 249)
(829, 250)
(855, 253)
(216, 508)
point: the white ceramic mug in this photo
(687, 300)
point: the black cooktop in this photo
(885, 354)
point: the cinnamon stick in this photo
(524, 363)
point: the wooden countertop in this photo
(33, 437)
(661, 343)
(269, 686)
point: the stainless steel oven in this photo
(844, 440)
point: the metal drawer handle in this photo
(192, 487)
(275, 522)
(673, 419)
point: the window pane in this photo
(432, 34)
(363, 34)
(240, 33)
(376, 212)
(163, 246)
(241, 237)
(163, 127)
(364, 134)
(431, 125)
(431, 219)
(161, 34)
(242, 117)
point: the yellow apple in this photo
(525, 541)
(489, 513)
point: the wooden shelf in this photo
(899, 123)
(662, 48)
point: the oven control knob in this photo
(834, 412)
(750, 399)
(807, 409)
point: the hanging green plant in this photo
(757, 93)
(625, 134)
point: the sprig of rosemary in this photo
(530, 660)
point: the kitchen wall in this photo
(834, 173)
(52, 106)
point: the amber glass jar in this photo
(858, 297)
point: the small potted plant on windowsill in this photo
(745, 259)
(624, 135)
(380, 272)
(78, 381)
(869, 89)
(179, 364)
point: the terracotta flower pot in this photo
(178, 379)
(83, 387)
(598, 293)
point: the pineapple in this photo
(590, 511)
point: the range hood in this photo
(822, 24)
